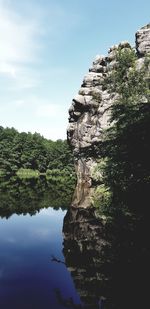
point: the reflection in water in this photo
(32, 270)
(108, 262)
(28, 277)
(30, 195)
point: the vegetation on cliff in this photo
(126, 149)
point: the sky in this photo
(46, 48)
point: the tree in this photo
(126, 148)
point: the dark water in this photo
(55, 258)
(32, 269)
(109, 262)
(28, 276)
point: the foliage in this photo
(98, 171)
(27, 173)
(102, 199)
(34, 173)
(23, 152)
(126, 145)
(96, 96)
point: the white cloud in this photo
(32, 78)
(7, 68)
(19, 46)
(16, 37)
(24, 35)
(18, 103)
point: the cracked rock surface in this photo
(89, 114)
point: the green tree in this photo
(32, 151)
(126, 146)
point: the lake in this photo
(51, 257)
(29, 278)
(32, 269)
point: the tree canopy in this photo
(126, 148)
(32, 151)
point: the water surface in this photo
(90, 265)
(33, 273)
(29, 275)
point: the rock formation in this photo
(90, 115)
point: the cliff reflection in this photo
(108, 262)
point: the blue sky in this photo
(46, 48)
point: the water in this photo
(33, 273)
(54, 258)
(28, 276)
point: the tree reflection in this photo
(108, 261)
(28, 196)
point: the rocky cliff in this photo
(89, 115)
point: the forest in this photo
(30, 154)
(34, 173)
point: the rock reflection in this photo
(107, 261)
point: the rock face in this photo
(143, 40)
(89, 115)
